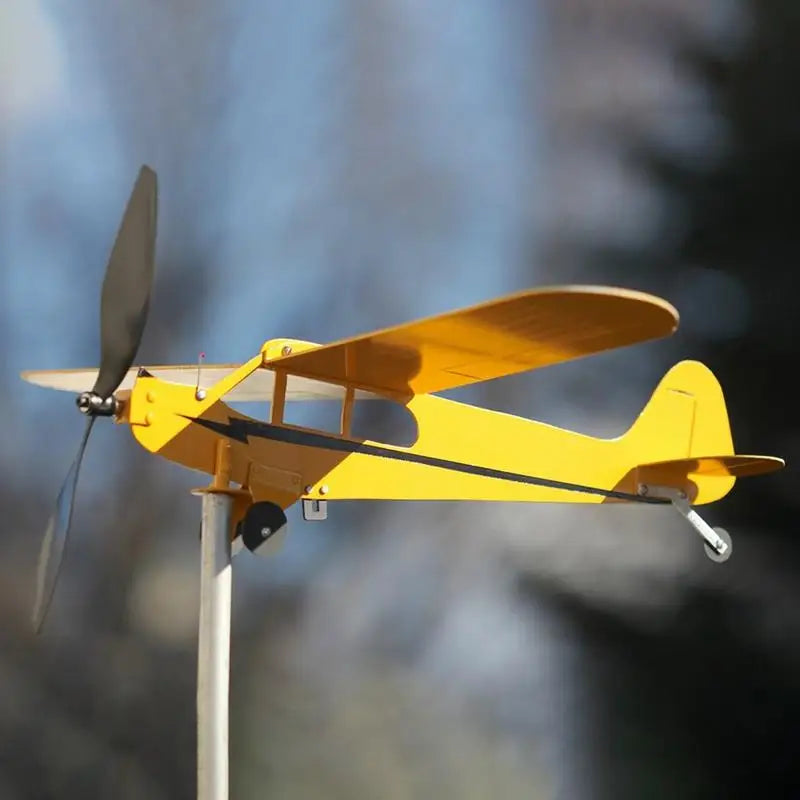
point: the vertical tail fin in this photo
(685, 419)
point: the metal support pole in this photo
(213, 651)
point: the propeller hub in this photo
(94, 405)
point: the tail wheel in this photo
(713, 554)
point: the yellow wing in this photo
(255, 387)
(531, 329)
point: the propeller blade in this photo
(55, 537)
(126, 287)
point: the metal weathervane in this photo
(679, 451)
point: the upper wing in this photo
(514, 334)
(255, 387)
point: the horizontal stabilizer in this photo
(715, 466)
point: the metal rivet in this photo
(266, 533)
(149, 417)
(323, 489)
(200, 394)
(309, 489)
(287, 350)
(151, 396)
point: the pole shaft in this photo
(213, 651)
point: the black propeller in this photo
(123, 312)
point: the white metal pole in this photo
(213, 649)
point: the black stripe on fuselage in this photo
(240, 430)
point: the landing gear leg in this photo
(717, 541)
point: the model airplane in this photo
(678, 451)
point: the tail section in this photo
(683, 439)
(685, 417)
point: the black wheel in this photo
(261, 522)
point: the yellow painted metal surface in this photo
(514, 334)
(462, 452)
(159, 411)
(740, 466)
(686, 412)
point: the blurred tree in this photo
(701, 705)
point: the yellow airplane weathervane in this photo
(678, 451)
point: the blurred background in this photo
(328, 168)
